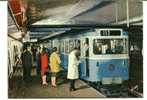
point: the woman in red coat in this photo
(44, 65)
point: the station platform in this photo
(34, 89)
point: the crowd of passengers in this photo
(49, 59)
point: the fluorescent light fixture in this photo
(33, 40)
(49, 22)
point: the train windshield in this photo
(110, 46)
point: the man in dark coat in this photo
(27, 63)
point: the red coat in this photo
(44, 62)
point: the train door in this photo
(85, 56)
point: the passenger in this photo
(109, 51)
(38, 61)
(73, 72)
(55, 66)
(98, 48)
(27, 63)
(33, 52)
(44, 66)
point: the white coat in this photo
(73, 72)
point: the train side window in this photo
(63, 49)
(84, 47)
(62, 46)
(66, 46)
(110, 46)
(71, 45)
(49, 44)
(77, 44)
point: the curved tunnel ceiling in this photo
(50, 12)
(57, 12)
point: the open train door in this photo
(84, 67)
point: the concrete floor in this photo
(34, 89)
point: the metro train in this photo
(104, 54)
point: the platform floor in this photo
(34, 89)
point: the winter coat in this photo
(73, 63)
(27, 59)
(55, 62)
(44, 62)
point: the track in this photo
(114, 91)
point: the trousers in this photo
(72, 83)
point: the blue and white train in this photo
(104, 54)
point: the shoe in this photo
(54, 86)
(45, 84)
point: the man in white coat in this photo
(73, 72)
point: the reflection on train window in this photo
(110, 46)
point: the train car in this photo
(104, 54)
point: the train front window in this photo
(110, 46)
